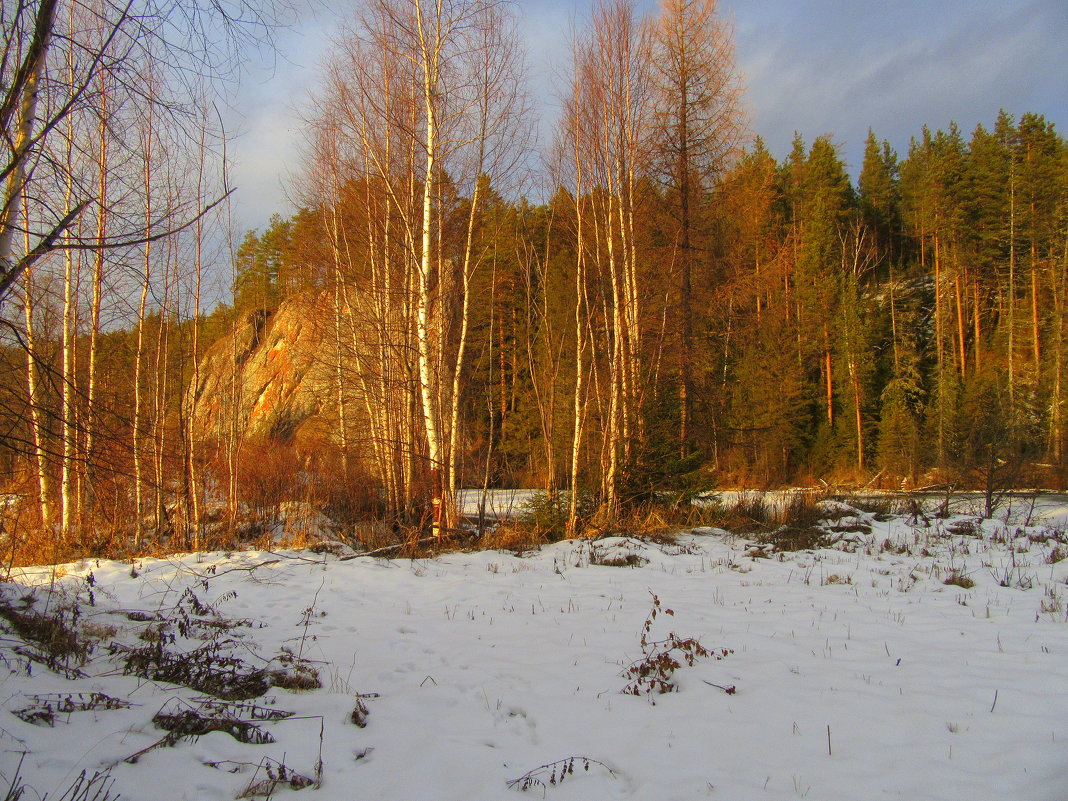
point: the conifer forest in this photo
(650, 307)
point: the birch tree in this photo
(607, 133)
(73, 83)
(425, 96)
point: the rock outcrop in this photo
(268, 377)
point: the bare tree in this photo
(606, 130)
(49, 76)
(425, 104)
(75, 200)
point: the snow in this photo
(1049, 508)
(858, 672)
(497, 503)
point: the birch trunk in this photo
(98, 280)
(139, 354)
(430, 49)
(579, 405)
(193, 512)
(44, 489)
(66, 492)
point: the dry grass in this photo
(750, 512)
(52, 634)
(375, 534)
(793, 526)
(955, 578)
(797, 521)
(881, 506)
(513, 536)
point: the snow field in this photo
(488, 665)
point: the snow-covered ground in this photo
(858, 674)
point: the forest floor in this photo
(851, 670)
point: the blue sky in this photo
(813, 66)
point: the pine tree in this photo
(879, 196)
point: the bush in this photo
(545, 515)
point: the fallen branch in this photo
(389, 549)
(410, 544)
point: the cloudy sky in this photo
(813, 66)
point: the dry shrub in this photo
(798, 524)
(51, 636)
(554, 773)
(652, 674)
(23, 538)
(287, 489)
(46, 707)
(375, 534)
(208, 669)
(191, 723)
(625, 559)
(650, 519)
(794, 526)
(345, 491)
(97, 787)
(97, 542)
(801, 510)
(700, 514)
(26, 541)
(664, 536)
(543, 520)
(267, 474)
(749, 512)
(104, 521)
(786, 538)
(279, 775)
(513, 536)
(300, 678)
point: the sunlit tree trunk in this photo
(91, 416)
(580, 320)
(193, 498)
(138, 422)
(962, 358)
(1010, 293)
(939, 353)
(160, 386)
(68, 377)
(68, 373)
(1059, 286)
(44, 488)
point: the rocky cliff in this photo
(267, 378)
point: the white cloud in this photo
(897, 66)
